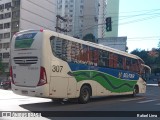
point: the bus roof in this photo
(99, 46)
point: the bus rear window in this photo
(24, 40)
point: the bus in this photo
(51, 65)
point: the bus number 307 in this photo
(57, 68)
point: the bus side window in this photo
(111, 60)
(124, 63)
(115, 59)
(128, 63)
(135, 66)
(120, 62)
(100, 61)
(53, 42)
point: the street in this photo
(149, 102)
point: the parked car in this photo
(6, 84)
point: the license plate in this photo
(24, 92)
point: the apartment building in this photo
(5, 28)
(81, 15)
(112, 10)
(17, 15)
(101, 19)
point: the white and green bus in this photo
(52, 65)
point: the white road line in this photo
(146, 101)
(157, 104)
(132, 99)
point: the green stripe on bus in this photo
(109, 82)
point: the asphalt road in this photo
(97, 108)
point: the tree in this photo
(159, 45)
(144, 55)
(89, 37)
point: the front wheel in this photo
(85, 94)
(135, 91)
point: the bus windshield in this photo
(24, 40)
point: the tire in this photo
(85, 94)
(135, 91)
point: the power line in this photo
(149, 37)
(138, 20)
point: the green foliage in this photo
(159, 45)
(89, 37)
(144, 55)
(152, 61)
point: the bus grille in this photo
(25, 60)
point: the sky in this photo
(139, 20)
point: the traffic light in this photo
(108, 24)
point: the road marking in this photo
(132, 99)
(146, 101)
(158, 104)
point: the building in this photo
(5, 30)
(101, 19)
(16, 15)
(112, 10)
(119, 43)
(81, 15)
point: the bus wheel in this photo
(135, 91)
(85, 94)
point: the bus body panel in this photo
(64, 79)
(61, 84)
(26, 58)
(40, 91)
(26, 67)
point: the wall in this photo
(38, 14)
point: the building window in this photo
(0, 56)
(6, 55)
(15, 14)
(1, 36)
(15, 24)
(16, 3)
(6, 35)
(5, 45)
(1, 16)
(7, 15)
(1, 7)
(0, 45)
(70, 10)
(1, 26)
(6, 25)
(8, 5)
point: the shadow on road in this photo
(54, 106)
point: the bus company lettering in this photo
(128, 75)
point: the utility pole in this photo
(59, 29)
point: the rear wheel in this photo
(85, 94)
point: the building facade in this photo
(112, 10)
(5, 30)
(101, 19)
(17, 15)
(119, 43)
(81, 15)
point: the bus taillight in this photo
(11, 74)
(43, 77)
